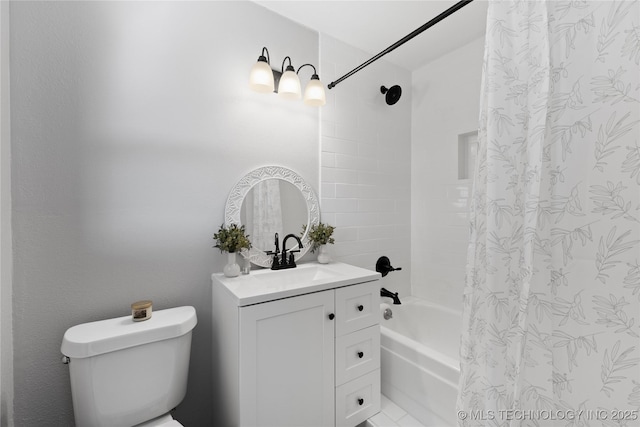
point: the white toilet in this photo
(126, 373)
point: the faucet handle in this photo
(292, 259)
(383, 266)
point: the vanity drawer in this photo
(357, 353)
(358, 400)
(357, 307)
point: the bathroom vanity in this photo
(297, 347)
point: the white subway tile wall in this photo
(446, 105)
(366, 162)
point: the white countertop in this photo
(267, 285)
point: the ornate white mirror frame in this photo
(239, 192)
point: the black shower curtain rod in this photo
(403, 40)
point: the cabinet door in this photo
(287, 362)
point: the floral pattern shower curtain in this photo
(551, 321)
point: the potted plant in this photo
(231, 239)
(320, 236)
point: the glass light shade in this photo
(289, 86)
(314, 94)
(261, 77)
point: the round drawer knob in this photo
(360, 307)
(360, 354)
(331, 316)
(360, 401)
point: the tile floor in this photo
(391, 415)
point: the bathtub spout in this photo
(389, 294)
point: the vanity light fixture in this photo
(285, 82)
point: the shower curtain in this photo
(551, 316)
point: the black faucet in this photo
(389, 294)
(284, 262)
(292, 262)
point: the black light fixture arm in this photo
(314, 76)
(289, 67)
(403, 40)
(266, 59)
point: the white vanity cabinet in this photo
(296, 348)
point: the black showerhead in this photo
(393, 94)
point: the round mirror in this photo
(271, 200)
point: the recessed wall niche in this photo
(467, 150)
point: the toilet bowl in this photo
(125, 373)
(165, 420)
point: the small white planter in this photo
(323, 254)
(232, 269)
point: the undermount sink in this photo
(265, 285)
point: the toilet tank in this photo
(124, 372)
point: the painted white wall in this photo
(446, 99)
(6, 256)
(131, 121)
(366, 159)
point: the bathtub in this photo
(419, 358)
